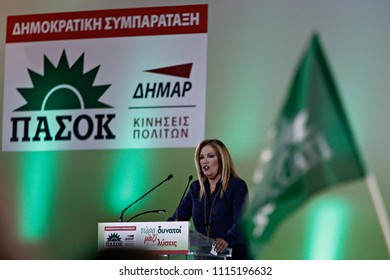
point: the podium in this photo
(168, 240)
(200, 247)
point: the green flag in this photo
(312, 148)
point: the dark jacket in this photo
(223, 221)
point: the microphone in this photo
(159, 184)
(182, 197)
(162, 211)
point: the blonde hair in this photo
(225, 161)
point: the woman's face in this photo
(209, 162)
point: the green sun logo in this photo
(114, 237)
(63, 87)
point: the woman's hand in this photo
(220, 244)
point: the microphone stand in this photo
(162, 211)
(124, 210)
(181, 200)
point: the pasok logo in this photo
(59, 88)
(114, 240)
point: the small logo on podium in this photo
(114, 240)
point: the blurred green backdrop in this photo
(51, 202)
